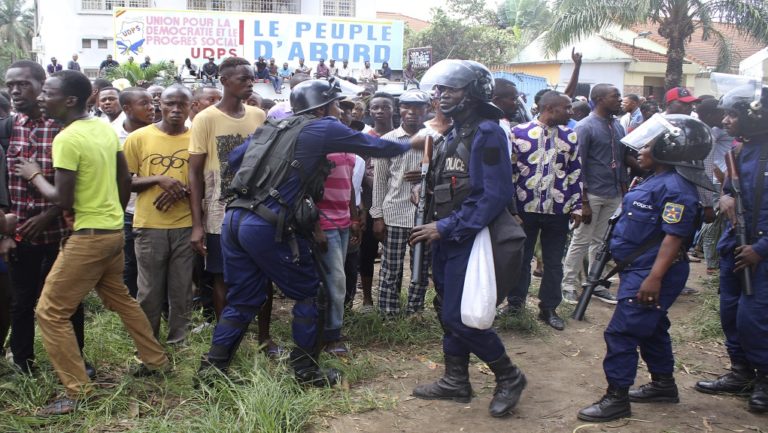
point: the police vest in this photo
(267, 163)
(451, 178)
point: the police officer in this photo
(745, 318)
(471, 188)
(256, 250)
(658, 220)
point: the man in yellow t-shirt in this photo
(215, 132)
(158, 157)
(91, 180)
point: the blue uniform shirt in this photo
(663, 203)
(490, 181)
(748, 162)
(318, 139)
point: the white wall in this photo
(594, 73)
(62, 26)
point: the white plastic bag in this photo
(478, 300)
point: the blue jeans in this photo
(336, 281)
(554, 234)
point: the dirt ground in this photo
(564, 371)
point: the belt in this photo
(90, 232)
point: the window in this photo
(86, 43)
(108, 5)
(261, 6)
(102, 44)
(271, 6)
(340, 8)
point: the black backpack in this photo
(6, 130)
(267, 163)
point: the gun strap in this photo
(759, 187)
(645, 246)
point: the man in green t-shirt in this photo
(92, 183)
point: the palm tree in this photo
(137, 76)
(16, 28)
(677, 21)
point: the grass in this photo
(704, 322)
(260, 395)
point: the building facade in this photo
(85, 27)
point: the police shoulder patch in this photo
(673, 213)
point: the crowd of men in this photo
(128, 191)
(271, 71)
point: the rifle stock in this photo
(421, 210)
(745, 275)
(596, 268)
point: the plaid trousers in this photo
(391, 274)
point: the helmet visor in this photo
(649, 131)
(722, 84)
(449, 72)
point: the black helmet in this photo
(311, 94)
(750, 104)
(685, 148)
(460, 74)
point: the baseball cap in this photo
(680, 94)
(347, 103)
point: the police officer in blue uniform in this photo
(471, 188)
(658, 220)
(258, 246)
(745, 318)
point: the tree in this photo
(454, 38)
(16, 27)
(677, 21)
(143, 77)
(527, 18)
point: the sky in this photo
(419, 8)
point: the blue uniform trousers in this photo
(745, 318)
(251, 259)
(449, 261)
(635, 325)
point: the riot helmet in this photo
(311, 94)
(749, 103)
(678, 140)
(472, 76)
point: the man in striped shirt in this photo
(393, 213)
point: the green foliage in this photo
(455, 38)
(16, 27)
(527, 18)
(677, 21)
(132, 72)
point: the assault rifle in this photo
(745, 275)
(595, 276)
(421, 210)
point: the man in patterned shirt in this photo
(392, 211)
(547, 176)
(41, 225)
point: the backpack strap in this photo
(759, 187)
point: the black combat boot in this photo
(209, 370)
(758, 401)
(613, 405)
(308, 372)
(454, 385)
(661, 389)
(739, 381)
(510, 382)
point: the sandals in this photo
(61, 406)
